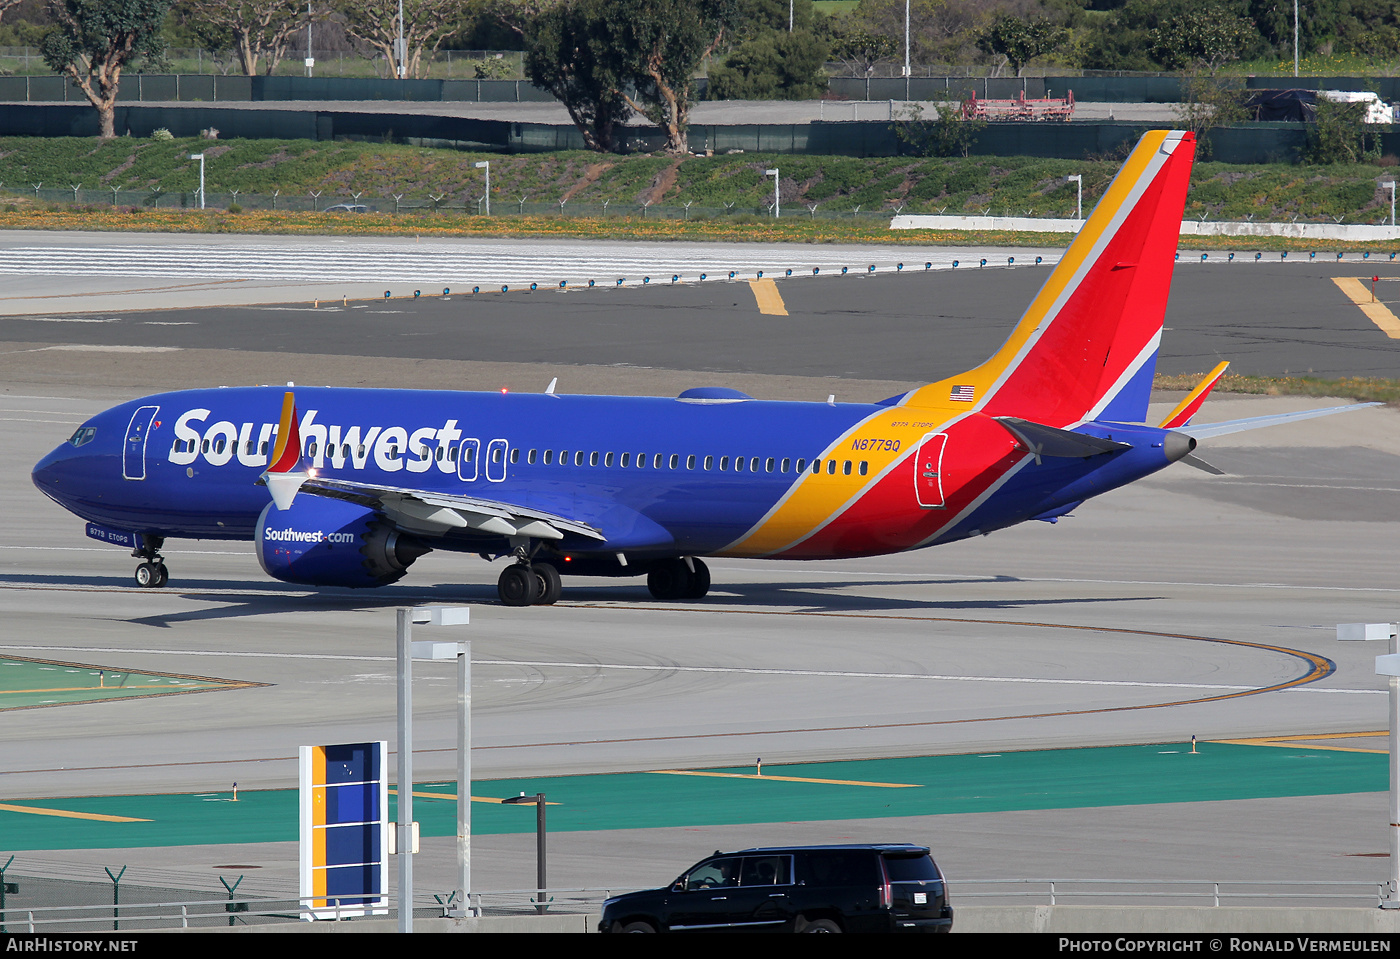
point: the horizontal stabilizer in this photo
(1040, 440)
(1206, 430)
(1191, 459)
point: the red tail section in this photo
(1087, 345)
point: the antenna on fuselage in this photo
(550, 388)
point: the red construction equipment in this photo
(1020, 108)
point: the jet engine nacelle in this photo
(326, 542)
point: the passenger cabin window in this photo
(830, 467)
(801, 466)
(690, 462)
(593, 458)
(452, 455)
(846, 468)
(531, 458)
(786, 464)
(709, 462)
(765, 871)
(626, 459)
(548, 457)
(864, 467)
(607, 459)
(515, 455)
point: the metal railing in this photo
(213, 913)
(1057, 891)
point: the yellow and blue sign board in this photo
(344, 830)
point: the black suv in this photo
(880, 888)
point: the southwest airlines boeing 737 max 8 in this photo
(347, 487)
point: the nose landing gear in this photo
(152, 573)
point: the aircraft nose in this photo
(59, 474)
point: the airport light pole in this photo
(906, 38)
(541, 884)
(1390, 185)
(1388, 666)
(1078, 178)
(401, 48)
(310, 61)
(777, 212)
(486, 165)
(200, 158)
(406, 831)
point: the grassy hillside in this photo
(999, 185)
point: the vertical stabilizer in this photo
(1087, 346)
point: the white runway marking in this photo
(456, 265)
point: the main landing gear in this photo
(151, 573)
(527, 584)
(685, 578)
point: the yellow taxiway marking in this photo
(1377, 312)
(1310, 741)
(423, 795)
(64, 813)
(770, 301)
(784, 779)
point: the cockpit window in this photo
(83, 436)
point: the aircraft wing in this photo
(1206, 430)
(438, 513)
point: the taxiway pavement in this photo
(1141, 619)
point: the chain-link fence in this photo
(443, 204)
(442, 65)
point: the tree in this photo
(1341, 135)
(426, 26)
(946, 135)
(566, 55)
(657, 45)
(774, 65)
(256, 30)
(1020, 40)
(1208, 102)
(860, 50)
(1207, 38)
(93, 41)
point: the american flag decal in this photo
(962, 394)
